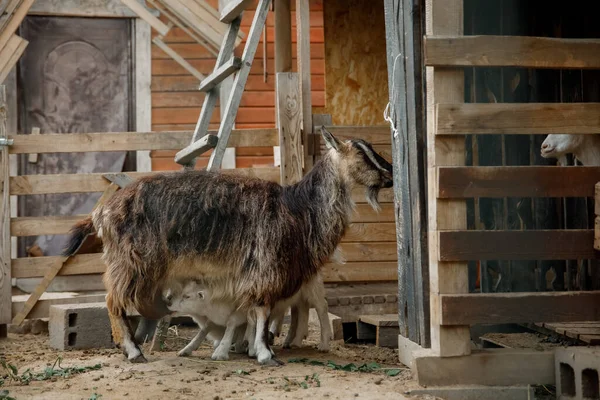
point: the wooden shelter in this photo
(510, 236)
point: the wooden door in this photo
(74, 77)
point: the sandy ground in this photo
(167, 376)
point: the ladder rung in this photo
(233, 10)
(220, 74)
(200, 146)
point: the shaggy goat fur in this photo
(247, 239)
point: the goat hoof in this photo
(273, 362)
(184, 353)
(323, 347)
(139, 359)
(220, 357)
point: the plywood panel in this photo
(356, 63)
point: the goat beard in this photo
(373, 197)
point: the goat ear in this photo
(330, 141)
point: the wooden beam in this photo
(87, 8)
(10, 54)
(13, 22)
(94, 182)
(5, 243)
(234, 9)
(129, 141)
(529, 181)
(180, 60)
(33, 157)
(147, 16)
(225, 70)
(289, 122)
(34, 226)
(488, 308)
(283, 36)
(197, 148)
(512, 51)
(143, 92)
(88, 264)
(518, 118)
(403, 44)
(492, 367)
(571, 244)
(193, 21)
(303, 57)
(444, 17)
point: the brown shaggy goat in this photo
(249, 240)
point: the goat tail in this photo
(80, 231)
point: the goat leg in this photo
(293, 327)
(197, 340)
(221, 353)
(326, 333)
(301, 330)
(241, 344)
(264, 354)
(130, 348)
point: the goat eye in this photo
(185, 297)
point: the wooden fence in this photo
(450, 183)
(369, 245)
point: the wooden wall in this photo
(176, 102)
(355, 62)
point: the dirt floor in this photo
(105, 374)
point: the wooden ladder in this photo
(226, 65)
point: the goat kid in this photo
(194, 299)
(586, 148)
(245, 238)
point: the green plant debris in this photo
(4, 395)
(308, 382)
(241, 372)
(95, 395)
(56, 370)
(351, 367)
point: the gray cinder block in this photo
(80, 326)
(577, 373)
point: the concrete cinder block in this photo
(577, 373)
(80, 326)
(478, 392)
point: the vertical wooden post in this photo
(5, 244)
(403, 41)
(224, 91)
(283, 36)
(303, 59)
(445, 17)
(143, 92)
(288, 122)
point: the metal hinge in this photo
(6, 142)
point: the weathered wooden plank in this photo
(597, 233)
(234, 9)
(511, 51)
(369, 251)
(78, 8)
(526, 181)
(195, 22)
(518, 118)
(571, 244)
(86, 264)
(220, 74)
(200, 146)
(239, 82)
(597, 199)
(289, 121)
(5, 244)
(143, 91)
(34, 226)
(487, 308)
(147, 16)
(380, 320)
(493, 367)
(403, 42)
(10, 54)
(304, 70)
(444, 17)
(87, 183)
(14, 21)
(128, 141)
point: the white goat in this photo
(586, 148)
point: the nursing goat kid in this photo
(245, 238)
